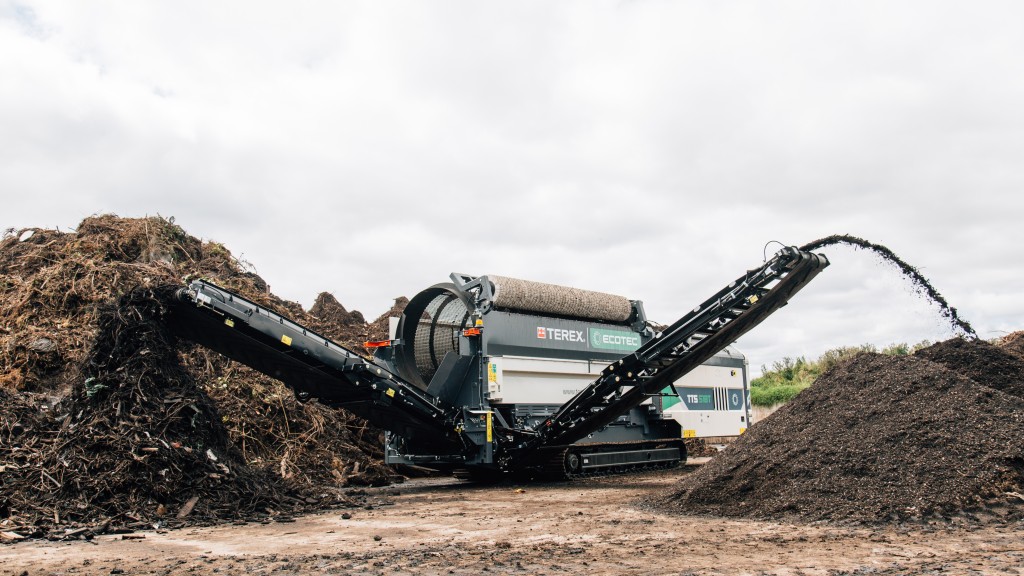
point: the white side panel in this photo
(712, 389)
(716, 402)
(514, 380)
(704, 423)
(712, 377)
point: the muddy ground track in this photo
(594, 526)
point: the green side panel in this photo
(621, 340)
(669, 399)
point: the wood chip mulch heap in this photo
(108, 424)
(937, 436)
(380, 329)
(1012, 343)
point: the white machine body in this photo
(710, 401)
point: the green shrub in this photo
(770, 396)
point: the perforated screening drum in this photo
(541, 298)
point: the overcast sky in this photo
(648, 149)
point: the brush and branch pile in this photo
(108, 423)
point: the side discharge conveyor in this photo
(473, 378)
(310, 364)
(678, 349)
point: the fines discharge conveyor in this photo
(489, 375)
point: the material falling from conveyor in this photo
(542, 298)
(918, 281)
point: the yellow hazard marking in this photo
(287, 341)
(490, 437)
(390, 392)
(689, 433)
(479, 321)
(742, 430)
(230, 323)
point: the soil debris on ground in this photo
(590, 526)
(879, 439)
(699, 448)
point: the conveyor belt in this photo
(312, 365)
(680, 348)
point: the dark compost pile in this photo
(980, 361)
(878, 439)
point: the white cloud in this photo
(649, 149)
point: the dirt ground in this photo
(593, 526)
